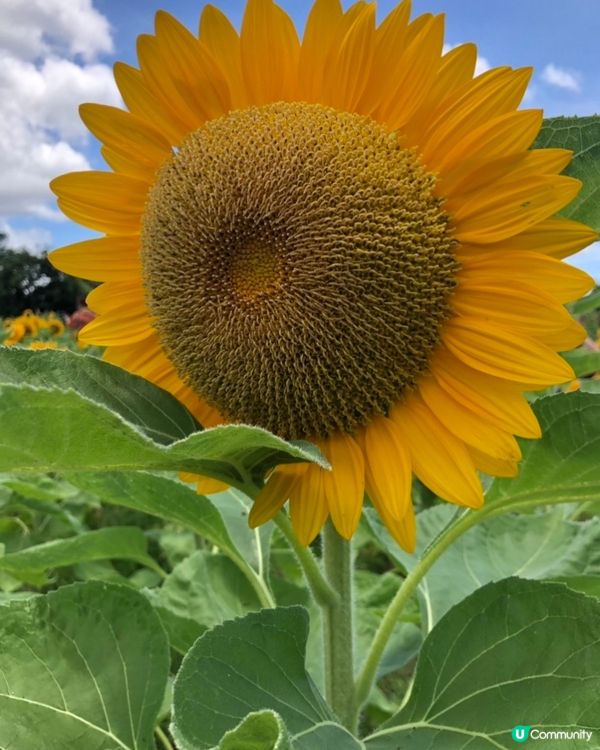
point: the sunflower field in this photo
(318, 466)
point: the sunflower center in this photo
(298, 267)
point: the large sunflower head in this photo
(345, 239)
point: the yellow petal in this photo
(195, 74)
(390, 44)
(501, 138)
(117, 294)
(270, 50)
(117, 328)
(414, 77)
(495, 467)
(517, 306)
(556, 237)
(500, 212)
(467, 425)
(273, 495)
(158, 79)
(440, 460)
(141, 102)
(497, 401)
(219, 36)
(345, 483)
(127, 134)
(107, 258)
(504, 354)
(563, 282)
(490, 95)
(210, 486)
(125, 164)
(308, 504)
(102, 200)
(388, 467)
(349, 66)
(454, 73)
(321, 31)
(404, 530)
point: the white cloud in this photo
(35, 240)
(47, 68)
(561, 78)
(32, 29)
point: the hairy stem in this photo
(337, 627)
(322, 592)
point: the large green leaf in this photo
(173, 501)
(160, 496)
(563, 465)
(125, 543)
(154, 411)
(82, 667)
(513, 653)
(539, 546)
(52, 430)
(207, 589)
(261, 730)
(244, 665)
(582, 136)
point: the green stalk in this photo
(337, 627)
(366, 678)
(322, 592)
(164, 740)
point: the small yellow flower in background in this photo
(345, 239)
(53, 324)
(574, 385)
(16, 333)
(41, 345)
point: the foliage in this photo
(31, 282)
(136, 614)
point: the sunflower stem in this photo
(366, 677)
(337, 626)
(322, 592)
(164, 740)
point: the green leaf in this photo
(514, 652)
(83, 667)
(160, 496)
(125, 543)
(262, 730)
(43, 488)
(326, 736)
(158, 414)
(582, 136)
(563, 465)
(539, 546)
(253, 544)
(587, 304)
(171, 500)
(51, 430)
(249, 664)
(583, 361)
(589, 585)
(207, 589)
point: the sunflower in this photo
(345, 239)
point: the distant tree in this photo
(31, 282)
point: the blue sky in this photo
(55, 54)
